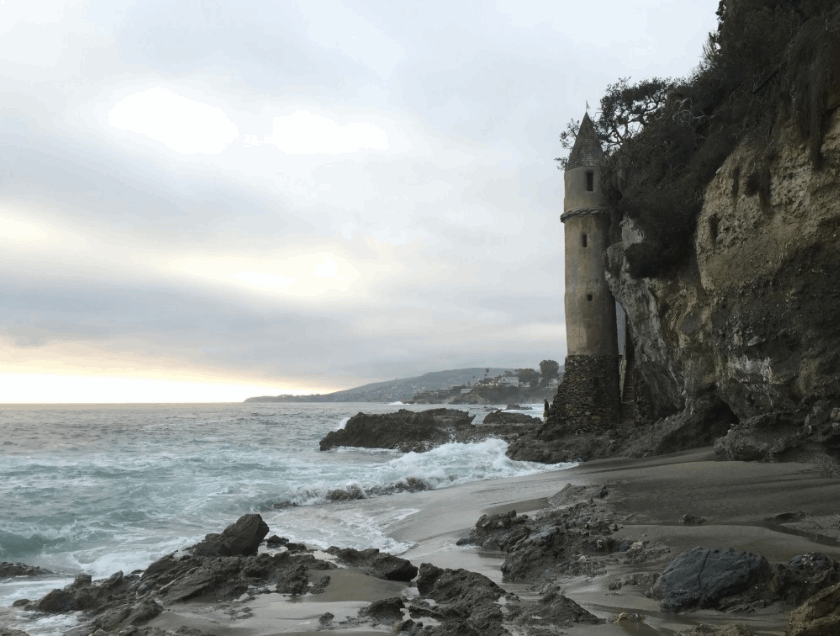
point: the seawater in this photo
(102, 488)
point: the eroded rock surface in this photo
(749, 320)
(818, 616)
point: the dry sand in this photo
(649, 495)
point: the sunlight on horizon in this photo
(80, 389)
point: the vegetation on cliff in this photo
(768, 61)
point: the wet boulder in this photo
(241, 538)
(703, 577)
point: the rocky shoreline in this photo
(659, 546)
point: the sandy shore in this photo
(650, 497)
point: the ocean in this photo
(103, 488)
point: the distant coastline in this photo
(455, 386)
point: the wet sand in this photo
(650, 497)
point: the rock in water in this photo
(241, 538)
(8, 570)
(404, 430)
(702, 577)
(500, 417)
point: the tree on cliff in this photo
(549, 369)
(625, 110)
(666, 140)
(527, 375)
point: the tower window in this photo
(588, 296)
(590, 181)
(583, 240)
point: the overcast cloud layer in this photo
(294, 196)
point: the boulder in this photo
(702, 577)
(818, 616)
(386, 610)
(241, 538)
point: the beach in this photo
(651, 496)
(91, 492)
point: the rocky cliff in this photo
(744, 334)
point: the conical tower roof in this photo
(587, 149)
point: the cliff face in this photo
(752, 320)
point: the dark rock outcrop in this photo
(222, 566)
(241, 538)
(8, 570)
(404, 430)
(408, 431)
(502, 417)
(556, 610)
(573, 537)
(376, 563)
(818, 616)
(463, 603)
(702, 577)
(466, 599)
(387, 610)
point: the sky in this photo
(206, 200)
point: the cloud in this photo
(184, 125)
(15, 230)
(304, 133)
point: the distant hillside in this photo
(393, 390)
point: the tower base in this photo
(589, 396)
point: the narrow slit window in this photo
(583, 240)
(596, 382)
(589, 297)
(590, 181)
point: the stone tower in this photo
(590, 387)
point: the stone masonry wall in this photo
(588, 396)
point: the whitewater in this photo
(103, 488)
